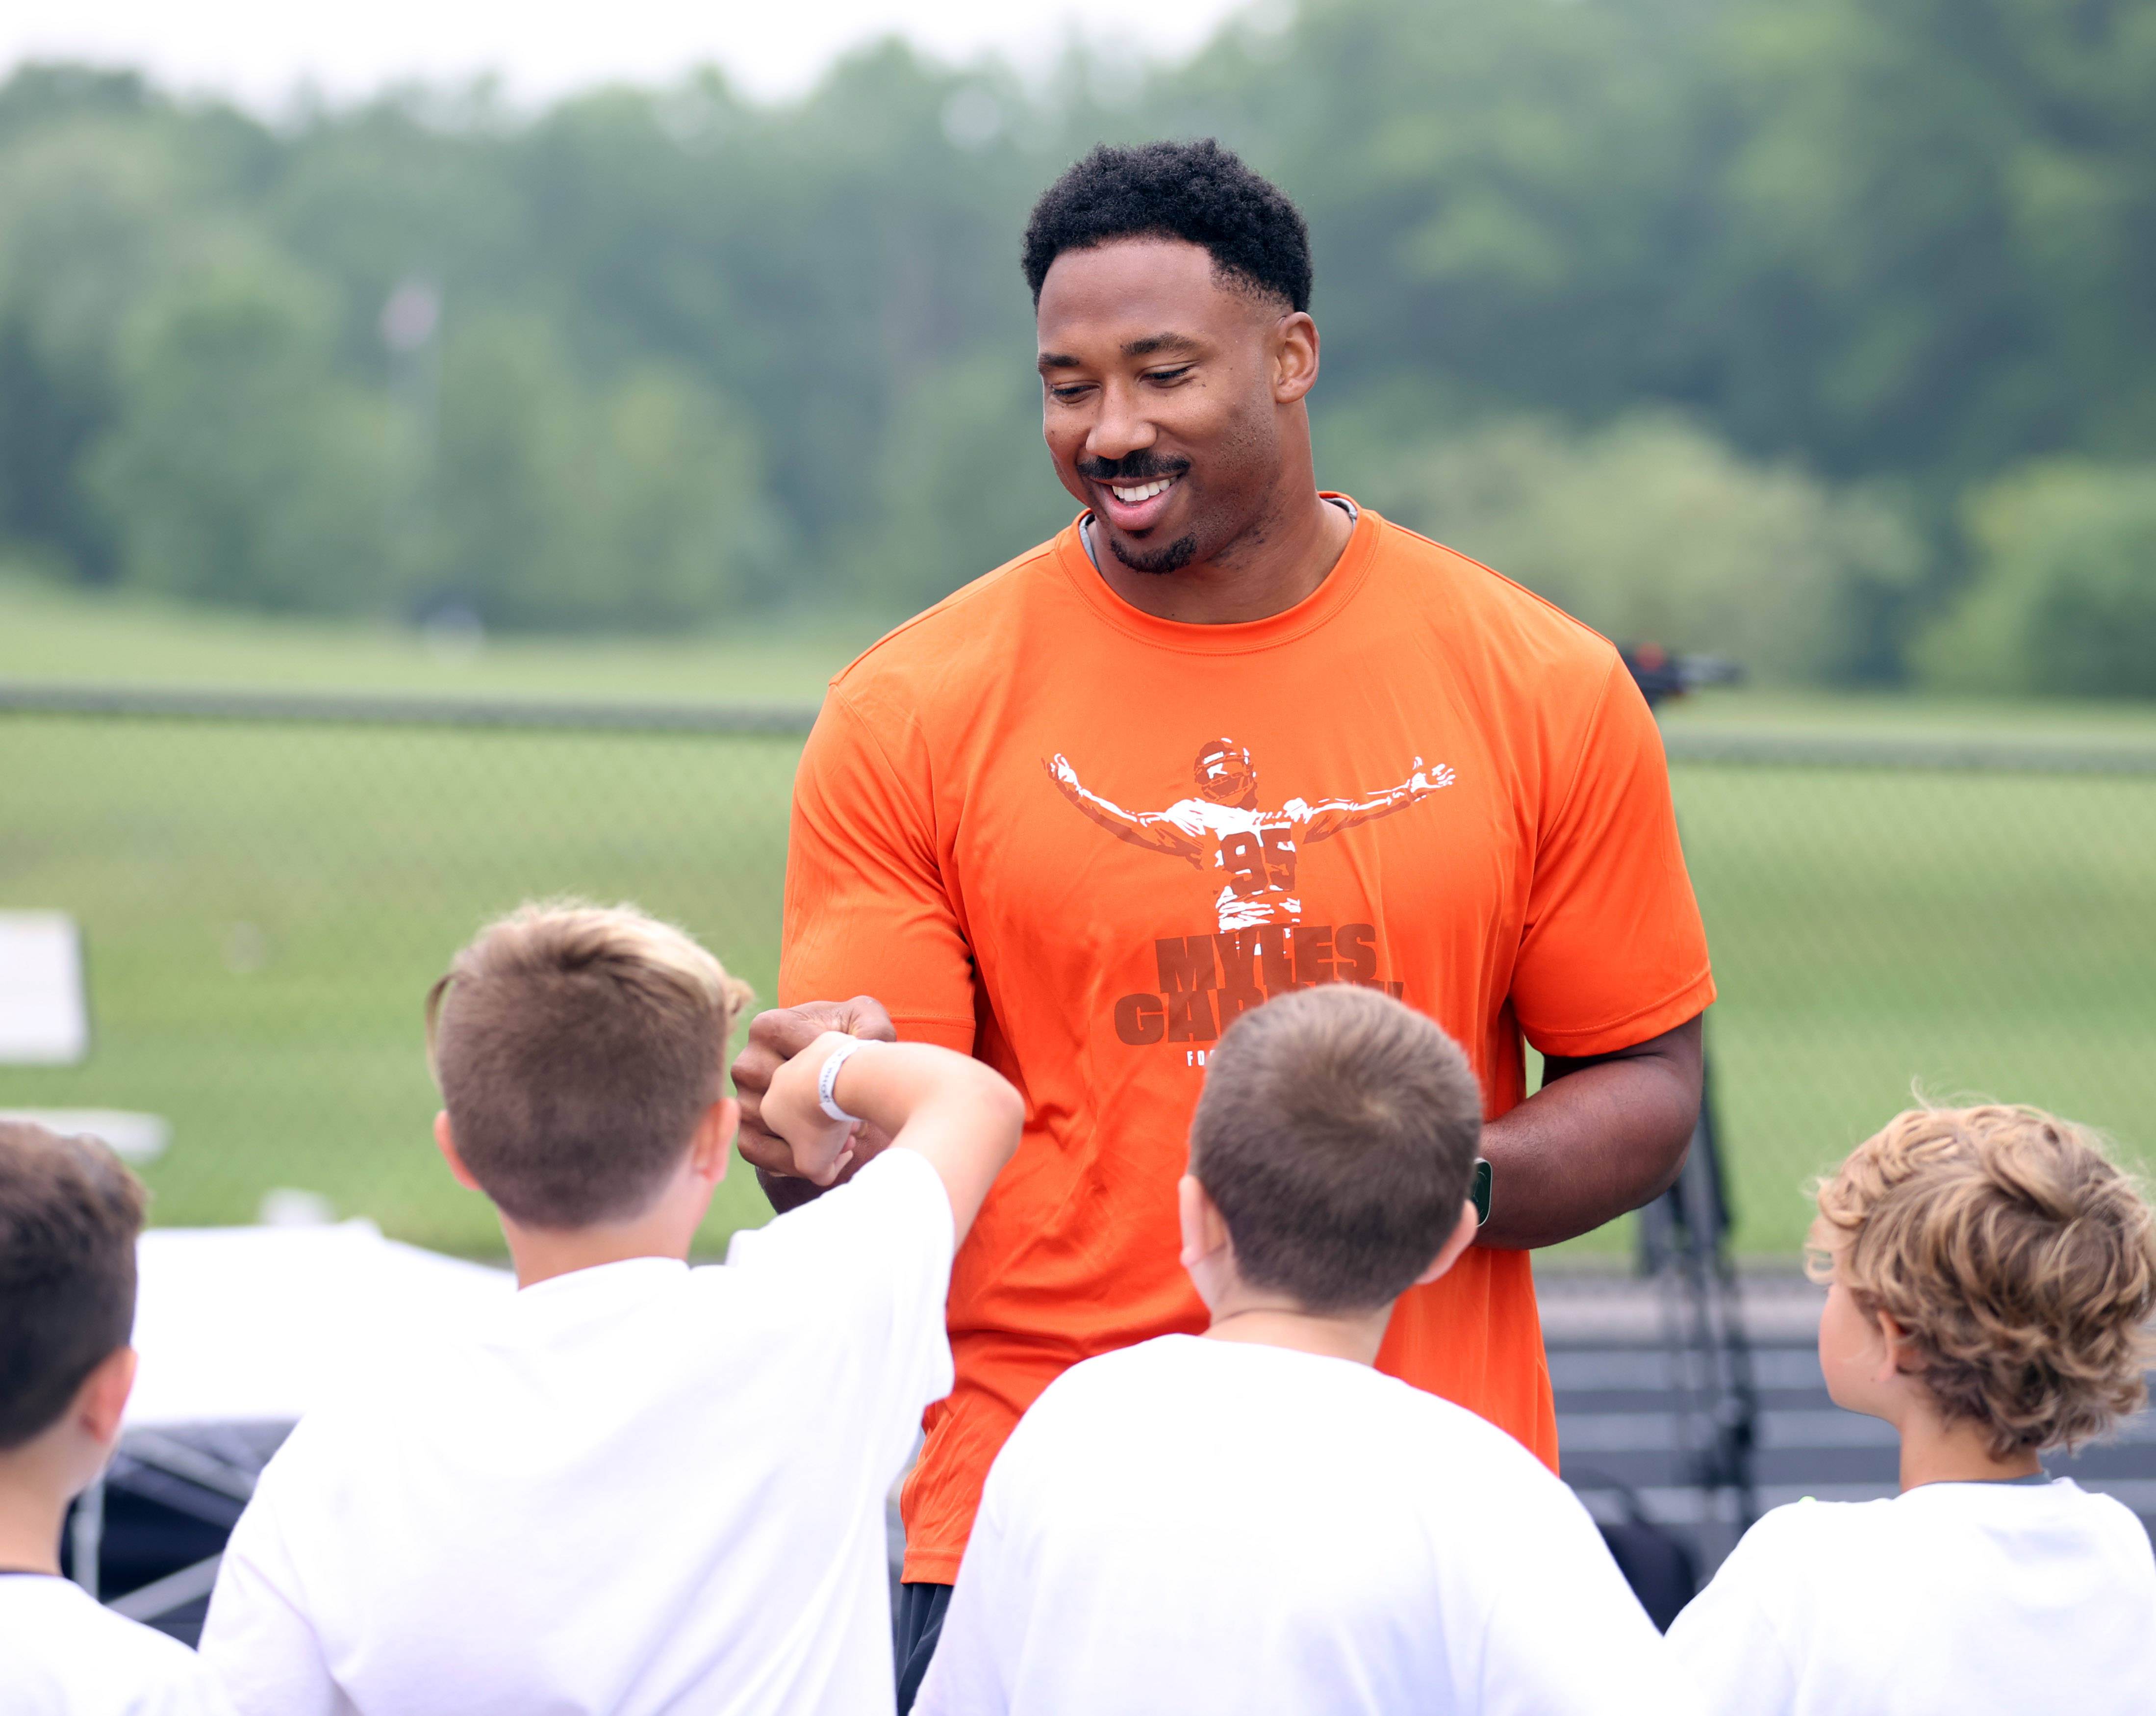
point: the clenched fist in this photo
(775, 1038)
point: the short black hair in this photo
(1336, 1135)
(69, 1216)
(1196, 191)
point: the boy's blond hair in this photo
(2020, 1262)
(577, 1046)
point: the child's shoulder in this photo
(1289, 1392)
(54, 1636)
(1809, 1528)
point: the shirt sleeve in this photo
(1727, 1640)
(190, 1689)
(870, 1263)
(1567, 1637)
(867, 913)
(257, 1638)
(1613, 952)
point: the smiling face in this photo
(1167, 396)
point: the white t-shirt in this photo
(1195, 1526)
(62, 1653)
(647, 1488)
(1966, 1598)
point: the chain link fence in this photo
(266, 888)
(1971, 919)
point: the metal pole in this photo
(86, 1535)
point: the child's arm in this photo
(964, 1118)
(256, 1638)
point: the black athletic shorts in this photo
(916, 1627)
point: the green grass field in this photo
(265, 905)
(51, 636)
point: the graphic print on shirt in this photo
(1253, 853)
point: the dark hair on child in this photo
(1337, 1135)
(69, 1216)
(577, 1046)
(1197, 192)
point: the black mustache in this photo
(1132, 468)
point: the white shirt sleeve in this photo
(869, 1260)
(257, 1636)
(1728, 1640)
(86, 1658)
(199, 1693)
(1567, 1636)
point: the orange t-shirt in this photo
(1076, 840)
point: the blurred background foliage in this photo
(1817, 332)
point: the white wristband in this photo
(827, 1082)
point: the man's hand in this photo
(793, 1109)
(774, 1039)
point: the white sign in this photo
(45, 1018)
(132, 1138)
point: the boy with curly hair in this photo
(1989, 1274)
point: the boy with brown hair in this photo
(69, 1217)
(1990, 1276)
(647, 1488)
(1256, 1519)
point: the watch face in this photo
(1480, 1191)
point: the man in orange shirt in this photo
(961, 860)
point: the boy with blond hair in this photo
(1255, 1519)
(1989, 1274)
(647, 1488)
(69, 1216)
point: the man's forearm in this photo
(1601, 1137)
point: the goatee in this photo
(1176, 555)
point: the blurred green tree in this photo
(1904, 248)
(102, 201)
(1937, 226)
(1652, 530)
(556, 507)
(677, 523)
(963, 483)
(2063, 599)
(241, 469)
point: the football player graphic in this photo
(1253, 852)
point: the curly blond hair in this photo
(2020, 1262)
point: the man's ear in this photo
(101, 1402)
(1462, 1237)
(1295, 357)
(448, 1145)
(711, 1150)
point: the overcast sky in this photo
(262, 50)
